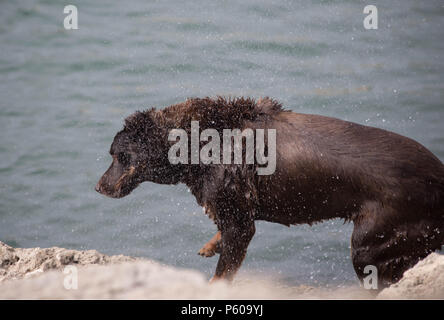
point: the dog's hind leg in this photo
(390, 244)
(211, 247)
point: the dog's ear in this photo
(140, 122)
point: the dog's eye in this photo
(123, 158)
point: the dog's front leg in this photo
(235, 239)
(211, 247)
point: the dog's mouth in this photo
(119, 189)
(115, 194)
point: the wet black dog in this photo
(389, 186)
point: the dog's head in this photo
(139, 153)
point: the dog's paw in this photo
(207, 251)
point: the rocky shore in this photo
(57, 273)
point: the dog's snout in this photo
(98, 187)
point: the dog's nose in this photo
(98, 188)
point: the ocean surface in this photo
(64, 95)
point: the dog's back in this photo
(390, 186)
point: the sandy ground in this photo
(57, 273)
